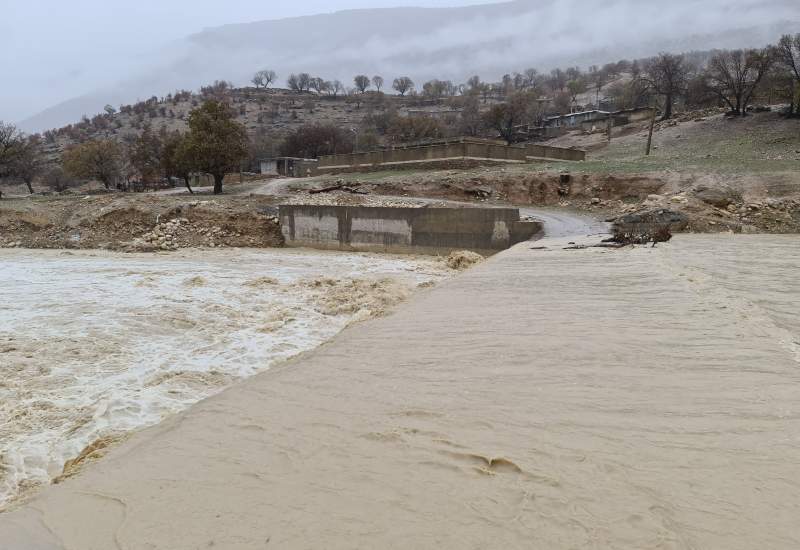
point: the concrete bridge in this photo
(405, 230)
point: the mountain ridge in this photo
(449, 43)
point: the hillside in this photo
(445, 43)
(267, 114)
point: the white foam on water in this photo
(93, 344)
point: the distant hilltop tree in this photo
(377, 81)
(263, 79)
(403, 85)
(299, 82)
(217, 90)
(362, 83)
(320, 85)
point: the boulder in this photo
(721, 197)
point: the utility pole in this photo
(610, 126)
(650, 134)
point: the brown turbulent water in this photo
(96, 344)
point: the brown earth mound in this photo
(138, 222)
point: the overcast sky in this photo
(57, 49)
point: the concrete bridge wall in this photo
(405, 230)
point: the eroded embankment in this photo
(138, 222)
(712, 203)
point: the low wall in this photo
(443, 164)
(404, 230)
(554, 153)
(470, 150)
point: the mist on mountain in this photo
(445, 43)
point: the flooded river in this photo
(98, 344)
(551, 397)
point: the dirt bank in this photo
(138, 222)
(768, 203)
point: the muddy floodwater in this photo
(551, 397)
(97, 344)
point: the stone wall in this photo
(404, 230)
(464, 149)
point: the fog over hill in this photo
(449, 43)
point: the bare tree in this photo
(474, 84)
(257, 80)
(470, 122)
(573, 73)
(11, 142)
(434, 88)
(362, 83)
(599, 78)
(299, 82)
(788, 55)
(29, 161)
(734, 76)
(557, 80)
(403, 85)
(576, 87)
(318, 85)
(337, 88)
(667, 75)
(505, 117)
(377, 81)
(264, 78)
(57, 180)
(304, 82)
(530, 78)
(507, 84)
